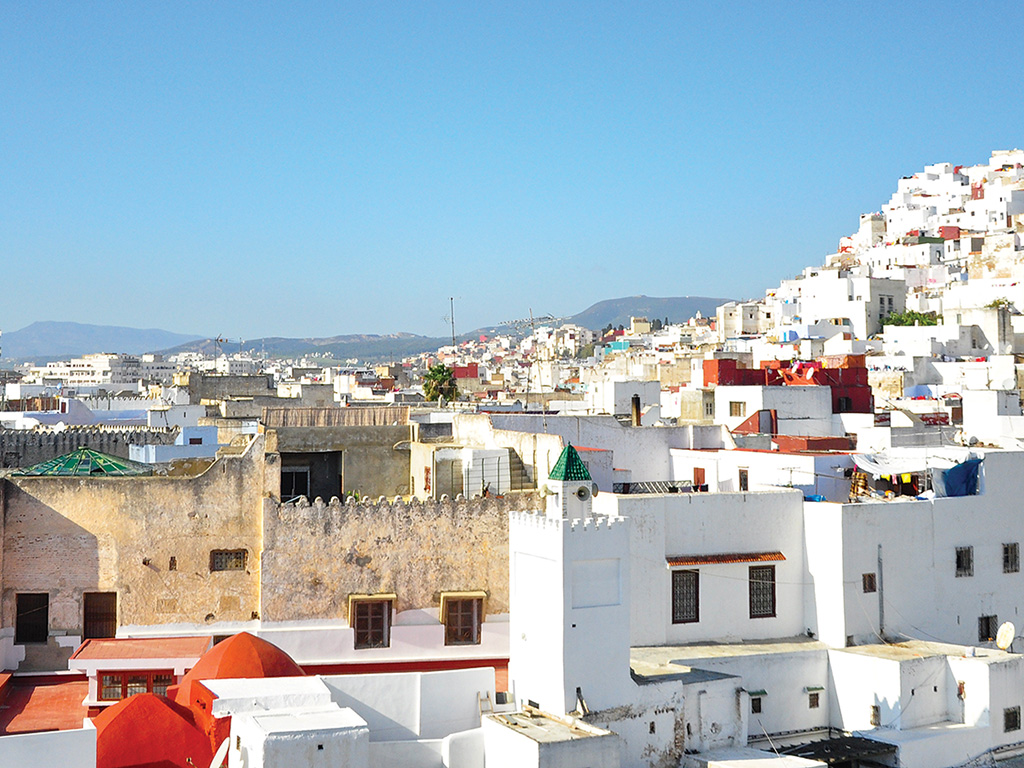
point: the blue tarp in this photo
(962, 480)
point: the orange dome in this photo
(149, 729)
(240, 656)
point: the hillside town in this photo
(787, 533)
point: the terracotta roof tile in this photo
(727, 557)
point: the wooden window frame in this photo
(89, 626)
(361, 622)
(454, 633)
(679, 580)
(124, 676)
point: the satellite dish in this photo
(1006, 635)
(222, 753)
(593, 489)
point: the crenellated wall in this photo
(23, 448)
(316, 555)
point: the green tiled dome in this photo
(85, 462)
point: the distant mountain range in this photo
(57, 340)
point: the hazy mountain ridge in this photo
(57, 340)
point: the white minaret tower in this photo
(569, 599)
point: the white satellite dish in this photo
(1006, 635)
(222, 752)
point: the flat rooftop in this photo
(919, 649)
(45, 706)
(144, 648)
(545, 728)
(683, 654)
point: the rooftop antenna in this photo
(451, 316)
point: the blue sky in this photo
(311, 169)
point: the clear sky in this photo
(312, 169)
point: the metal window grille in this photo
(762, 591)
(813, 701)
(685, 597)
(227, 560)
(869, 582)
(372, 623)
(100, 609)
(1011, 558)
(462, 622)
(964, 561)
(1011, 719)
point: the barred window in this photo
(988, 626)
(762, 591)
(964, 561)
(371, 620)
(227, 560)
(1011, 558)
(685, 597)
(1011, 719)
(869, 582)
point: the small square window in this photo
(1011, 719)
(813, 701)
(869, 582)
(371, 620)
(462, 619)
(1011, 558)
(737, 409)
(755, 704)
(964, 561)
(227, 560)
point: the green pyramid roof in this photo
(569, 466)
(85, 462)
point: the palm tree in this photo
(439, 381)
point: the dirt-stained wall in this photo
(316, 555)
(69, 535)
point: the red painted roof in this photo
(144, 648)
(31, 707)
(729, 557)
(240, 656)
(149, 729)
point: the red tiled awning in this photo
(727, 557)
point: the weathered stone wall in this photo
(317, 554)
(23, 448)
(67, 535)
(218, 386)
(375, 462)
